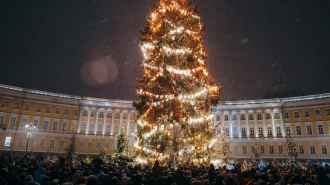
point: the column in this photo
(247, 124)
(264, 124)
(128, 123)
(96, 121)
(223, 120)
(104, 122)
(214, 119)
(231, 125)
(112, 121)
(80, 117)
(239, 125)
(273, 124)
(120, 121)
(88, 120)
(256, 129)
(283, 132)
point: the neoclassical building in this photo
(40, 122)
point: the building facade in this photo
(53, 117)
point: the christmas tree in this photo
(223, 152)
(121, 146)
(176, 92)
(256, 158)
(292, 153)
(71, 149)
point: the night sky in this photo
(91, 47)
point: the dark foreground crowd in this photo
(31, 171)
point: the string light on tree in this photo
(176, 92)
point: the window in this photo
(242, 117)
(251, 131)
(36, 123)
(38, 108)
(67, 111)
(116, 129)
(236, 149)
(45, 126)
(298, 130)
(124, 116)
(309, 129)
(106, 146)
(57, 111)
(100, 128)
(227, 131)
(259, 117)
(235, 131)
(250, 117)
(85, 113)
(328, 112)
(271, 149)
(12, 122)
(93, 114)
(52, 144)
(74, 126)
(277, 115)
(124, 129)
(218, 130)
(269, 130)
(16, 104)
(31, 143)
(98, 146)
(262, 149)
(132, 129)
(280, 149)
(234, 117)
(75, 113)
(83, 127)
(20, 142)
(24, 122)
(288, 129)
(324, 149)
(108, 115)
(286, 115)
(312, 149)
(65, 127)
(117, 116)
(301, 149)
(55, 126)
(42, 143)
(91, 127)
(226, 117)
(8, 141)
(89, 145)
(243, 131)
(27, 107)
(267, 116)
(278, 130)
(81, 144)
(62, 145)
(317, 113)
(2, 118)
(306, 114)
(253, 149)
(108, 129)
(48, 109)
(320, 128)
(296, 114)
(4, 104)
(260, 131)
(101, 115)
(244, 150)
(218, 117)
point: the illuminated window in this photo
(7, 141)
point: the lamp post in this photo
(29, 127)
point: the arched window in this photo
(252, 131)
(235, 134)
(99, 128)
(83, 127)
(243, 131)
(261, 131)
(278, 130)
(91, 127)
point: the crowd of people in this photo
(35, 171)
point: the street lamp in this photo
(29, 127)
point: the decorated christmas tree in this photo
(121, 146)
(256, 158)
(176, 92)
(71, 149)
(292, 153)
(223, 148)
